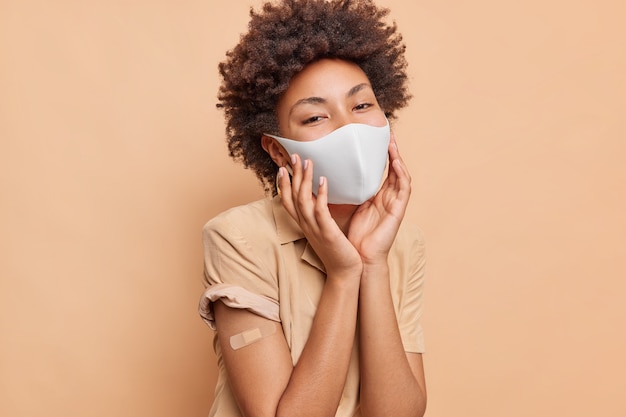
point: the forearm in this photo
(388, 385)
(318, 379)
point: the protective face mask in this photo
(352, 158)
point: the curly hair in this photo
(285, 37)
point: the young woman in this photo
(315, 294)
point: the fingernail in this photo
(306, 163)
(293, 159)
(322, 180)
(280, 172)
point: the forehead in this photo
(325, 78)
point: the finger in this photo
(400, 169)
(306, 185)
(300, 190)
(305, 199)
(322, 192)
(284, 185)
(396, 187)
(394, 153)
(396, 161)
(322, 214)
(403, 183)
(296, 176)
(402, 173)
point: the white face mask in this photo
(352, 158)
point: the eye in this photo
(312, 119)
(362, 106)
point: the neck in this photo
(342, 214)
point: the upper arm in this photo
(416, 364)
(259, 372)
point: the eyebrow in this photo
(357, 88)
(321, 100)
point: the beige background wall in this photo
(112, 158)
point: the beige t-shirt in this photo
(256, 257)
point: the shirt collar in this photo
(288, 231)
(286, 228)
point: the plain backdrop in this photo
(112, 157)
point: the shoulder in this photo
(249, 220)
(408, 253)
(409, 238)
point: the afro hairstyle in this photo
(283, 38)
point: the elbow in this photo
(420, 406)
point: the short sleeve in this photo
(235, 297)
(411, 293)
(238, 259)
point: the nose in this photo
(342, 119)
(372, 118)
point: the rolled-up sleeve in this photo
(236, 269)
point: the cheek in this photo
(374, 118)
(314, 134)
(308, 133)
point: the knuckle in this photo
(301, 198)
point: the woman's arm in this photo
(392, 381)
(261, 374)
(262, 377)
(319, 377)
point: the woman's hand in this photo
(375, 223)
(338, 255)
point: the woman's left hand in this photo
(375, 224)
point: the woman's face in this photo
(324, 96)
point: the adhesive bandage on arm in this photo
(250, 336)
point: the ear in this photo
(275, 150)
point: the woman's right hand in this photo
(336, 252)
